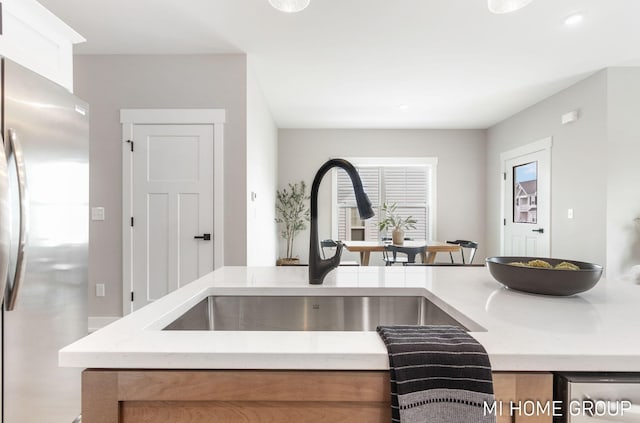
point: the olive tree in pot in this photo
(397, 223)
(292, 214)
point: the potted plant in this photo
(293, 215)
(393, 220)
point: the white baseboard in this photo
(97, 322)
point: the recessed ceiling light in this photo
(574, 19)
(289, 6)
(403, 107)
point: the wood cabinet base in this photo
(250, 396)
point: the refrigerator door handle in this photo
(14, 288)
(5, 222)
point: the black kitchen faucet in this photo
(318, 267)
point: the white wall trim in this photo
(543, 145)
(540, 145)
(173, 116)
(393, 161)
(131, 117)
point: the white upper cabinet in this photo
(35, 38)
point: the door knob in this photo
(540, 230)
(204, 237)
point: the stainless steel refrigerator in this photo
(44, 196)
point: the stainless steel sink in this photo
(304, 313)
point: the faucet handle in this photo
(335, 260)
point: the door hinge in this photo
(130, 144)
(131, 296)
(132, 221)
(504, 174)
(504, 222)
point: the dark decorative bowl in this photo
(545, 281)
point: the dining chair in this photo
(390, 254)
(472, 246)
(329, 243)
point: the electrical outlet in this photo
(570, 214)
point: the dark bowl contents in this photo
(541, 275)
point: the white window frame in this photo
(431, 162)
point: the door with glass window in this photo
(526, 206)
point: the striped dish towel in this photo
(439, 374)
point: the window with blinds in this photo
(407, 186)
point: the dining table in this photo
(365, 248)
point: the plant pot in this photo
(398, 236)
(289, 261)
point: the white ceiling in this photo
(352, 63)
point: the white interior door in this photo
(172, 203)
(527, 198)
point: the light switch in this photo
(97, 213)
(99, 290)
(569, 213)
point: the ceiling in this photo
(378, 63)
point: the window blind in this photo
(370, 177)
(407, 186)
(348, 217)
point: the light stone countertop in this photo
(593, 331)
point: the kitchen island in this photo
(145, 372)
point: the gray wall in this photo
(113, 82)
(623, 172)
(592, 159)
(461, 167)
(594, 170)
(262, 177)
(577, 167)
